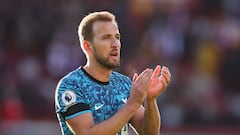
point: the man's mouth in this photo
(114, 53)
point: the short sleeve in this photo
(69, 100)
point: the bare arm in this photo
(152, 119)
(147, 120)
(84, 124)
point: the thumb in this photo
(135, 76)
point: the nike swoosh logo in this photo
(97, 106)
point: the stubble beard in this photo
(105, 62)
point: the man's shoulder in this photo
(73, 74)
(119, 76)
(72, 78)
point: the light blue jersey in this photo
(78, 93)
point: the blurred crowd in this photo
(199, 40)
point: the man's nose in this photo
(115, 43)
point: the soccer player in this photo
(95, 100)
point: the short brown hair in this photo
(85, 29)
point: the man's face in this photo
(106, 44)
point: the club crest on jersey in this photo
(68, 97)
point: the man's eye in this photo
(106, 37)
(117, 36)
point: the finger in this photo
(166, 75)
(135, 76)
(144, 77)
(156, 71)
(165, 69)
(145, 73)
(163, 81)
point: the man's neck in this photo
(99, 73)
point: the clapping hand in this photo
(160, 79)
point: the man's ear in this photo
(87, 47)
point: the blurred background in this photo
(199, 40)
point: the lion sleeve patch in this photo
(68, 97)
